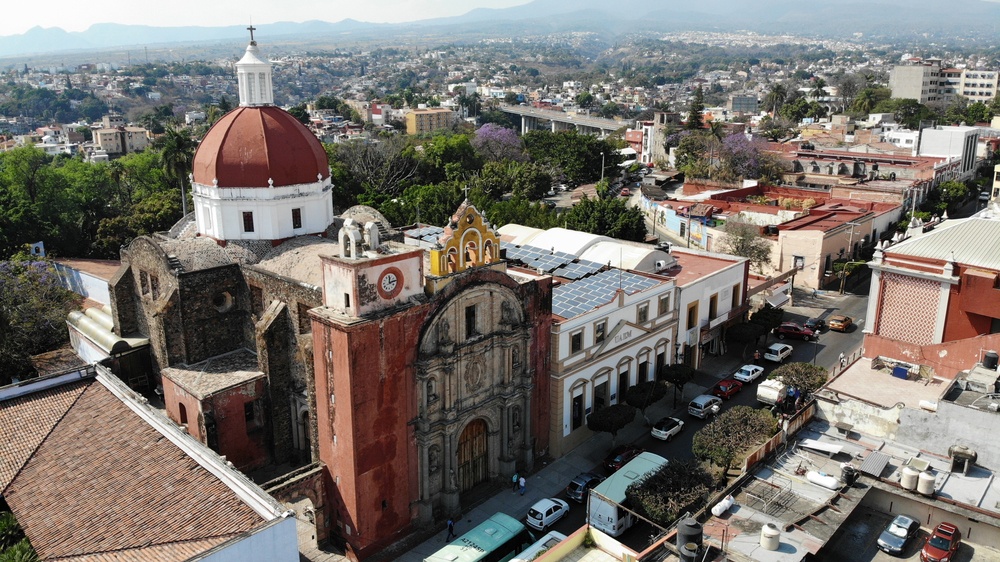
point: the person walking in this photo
(843, 360)
(522, 483)
(514, 481)
(756, 355)
(451, 530)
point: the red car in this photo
(942, 545)
(619, 457)
(727, 388)
(793, 330)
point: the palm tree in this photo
(865, 101)
(818, 89)
(775, 97)
(178, 159)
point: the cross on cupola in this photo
(251, 29)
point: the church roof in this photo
(252, 146)
(299, 258)
(974, 242)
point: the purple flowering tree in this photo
(33, 309)
(495, 143)
(743, 158)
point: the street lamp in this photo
(602, 166)
(850, 250)
(815, 345)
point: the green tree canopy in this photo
(645, 394)
(664, 495)
(574, 156)
(611, 419)
(695, 121)
(805, 377)
(610, 217)
(744, 239)
(732, 434)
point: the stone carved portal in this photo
(473, 460)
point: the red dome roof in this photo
(250, 145)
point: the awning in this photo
(778, 300)
(874, 464)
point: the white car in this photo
(748, 373)
(778, 352)
(667, 428)
(546, 512)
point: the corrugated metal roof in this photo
(975, 242)
(874, 464)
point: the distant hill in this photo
(831, 18)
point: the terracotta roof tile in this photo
(104, 481)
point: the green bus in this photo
(497, 539)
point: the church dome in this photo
(251, 145)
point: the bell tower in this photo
(254, 77)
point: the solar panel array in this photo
(426, 233)
(576, 298)
(560, 264)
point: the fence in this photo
(790, 427)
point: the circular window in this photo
(222, 301)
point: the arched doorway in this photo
(473, 464)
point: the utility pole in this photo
(602, 166)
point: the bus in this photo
(550, 539)
(604, 506)
(498, 539)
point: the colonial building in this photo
(279, 333)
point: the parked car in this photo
(984, 196)
(778, 352)
(619, 457)
(793, 330)
(726, 388)
(817, 325)
(897, 534)
(705, 406)
(942, 544)
(841, 323)
(748, 373)
(546, 512)
(580, 486)
(666, 428)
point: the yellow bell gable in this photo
(468, 241)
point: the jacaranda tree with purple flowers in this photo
(494, 143)
(33, 309)
(742, 158)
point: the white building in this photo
(952, 143)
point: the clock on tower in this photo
(390, 282)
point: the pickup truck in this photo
(778, 352)
(771, 392)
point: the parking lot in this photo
(855, 542)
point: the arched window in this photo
(471, 254)
(452, 260)
(183, 413)
(488, 252)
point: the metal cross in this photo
(251, 29)
(466, 191)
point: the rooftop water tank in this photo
(689, 531)
(925, 483)
(990, 359)
(770, 536)
(908, 480)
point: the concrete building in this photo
(743, 103)
(428, 120)
(956, 145)
(122, 140)
(920, 81)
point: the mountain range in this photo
(898, 19)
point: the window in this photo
(296, 218)
(154, 286)
(247, 221)
(713, 307)
(599, 331)
(144, 282)
(257, 300)
(470, 321)
(663, 307)
(736, 297)
(643, 314)
(661, 361)
(305, 323)
(600, 395)
(643, 372)
(692, 319)
(183, 411)
(577, 410)
(576, 342)
(623, 382)
(253, 414)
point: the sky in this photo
(74, 15)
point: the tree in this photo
(953, 193)
(609, 217)
(769, 317)
(663, 495)
(746, 333)
(447, 157)
(584, 99)
(804, 377)
(775, 97)
(519, 210)
(33, 309)
(742, 158)
(907, 112)
(611, 419)
(494, 142)
(694, 118)
(775, 128)
(178, 159)
(575, 156)
(743, 238)
(690, 155)
(382, 168)
(818, 88)
(299, 112)
(678, 375)
(848, 86)
(644, 394)
(521, 179)
(733, 433)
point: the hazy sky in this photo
(76, 15)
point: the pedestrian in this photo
(843, 360)
(756, 355)
(514, 482)
(451, 530)
(522, 483)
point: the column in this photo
(450, 496)
(425, 508)
(508, 457)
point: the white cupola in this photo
(254, 77)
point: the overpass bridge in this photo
(534, 119)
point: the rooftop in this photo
(857, 382)
(216, 374)
(693, 265)
(974, 242)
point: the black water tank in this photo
(688, 552)
(689, 531)
(990, 360)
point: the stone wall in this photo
(946, 359)
(306, 482)
(213, 320)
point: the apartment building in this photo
(929, 84)
(426, 120)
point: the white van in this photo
(705, 406)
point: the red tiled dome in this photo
(250, 145)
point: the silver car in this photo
(748, 373)
(894, 538)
